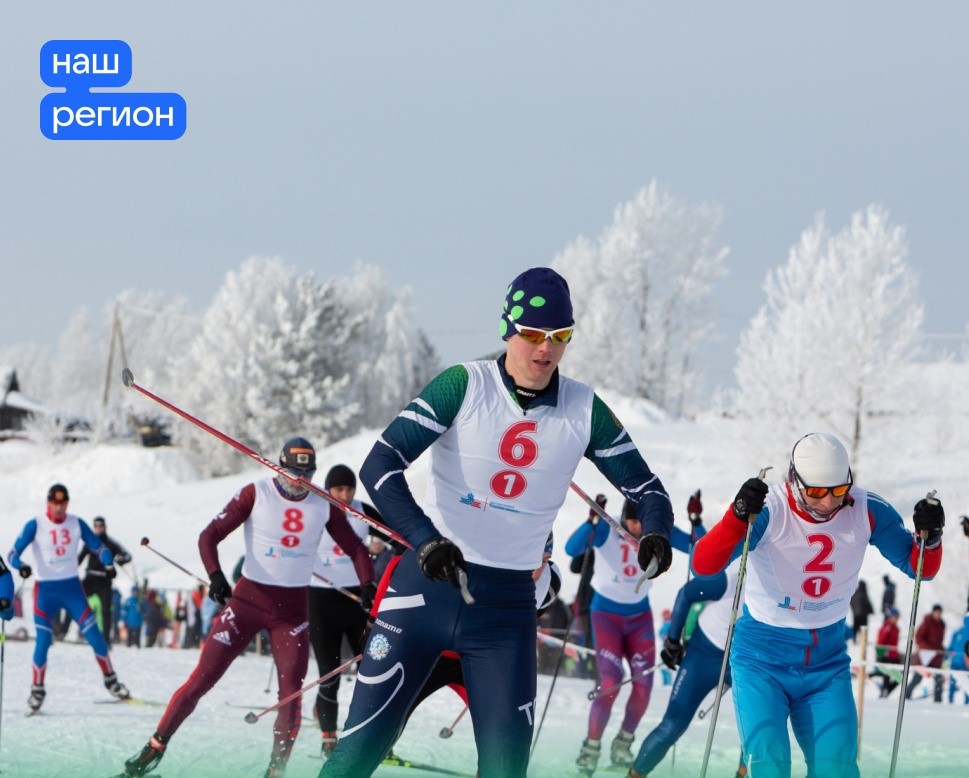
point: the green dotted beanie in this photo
(539, 297)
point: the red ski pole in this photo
(128, 378)
(252, 718)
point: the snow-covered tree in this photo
(214, 375)
(391, 359)
(298, 380)
(641, 297)
(76, 382)
(828, 348)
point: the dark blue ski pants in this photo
(417, 620)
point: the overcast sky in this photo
(455, 144)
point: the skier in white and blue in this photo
(506, 437)
(789, 657)
(54, 539)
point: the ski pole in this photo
(600, 692)
(738, 592)
(340, 589)
(147, 544)
(128, 379)
(617, 526)
(269, 680)
(446, 732)
(922, 537)
(705, 711)
(653, 565)
(3, 649)
(252, 718)
(568, 631)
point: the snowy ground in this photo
(156, 493)
(76, 736)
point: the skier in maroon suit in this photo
(283, 523)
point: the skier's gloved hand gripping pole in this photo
(748, 503)
(654, 549)
(929, 519)
(458, 577)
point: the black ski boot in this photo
(148, 759)
(36, 698)
(118, 689)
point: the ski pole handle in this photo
(929, 498)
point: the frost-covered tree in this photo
(389, 356)
(298, 378)
(841, 321)
(148, 332)
(642, 308)
(215, 373)
(77, 379)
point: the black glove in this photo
(122, 558)
(750, 499)
(672, 653)
(110, 572)
(25, 571)
(655, 545)
(219, 589)
(4, 603)
(367, 594)
(965, 525)
(929, 517)
(440, 560)
(694, 508)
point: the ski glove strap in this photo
(219, 589)
(440, 560)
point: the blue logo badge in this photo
(79, 114)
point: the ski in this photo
(125, 775)
(396, 761)
(260, 706)
(131, 701)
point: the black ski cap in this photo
(298, 454)
(57, 492)
(340, 475)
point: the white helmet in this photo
(820, 459)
